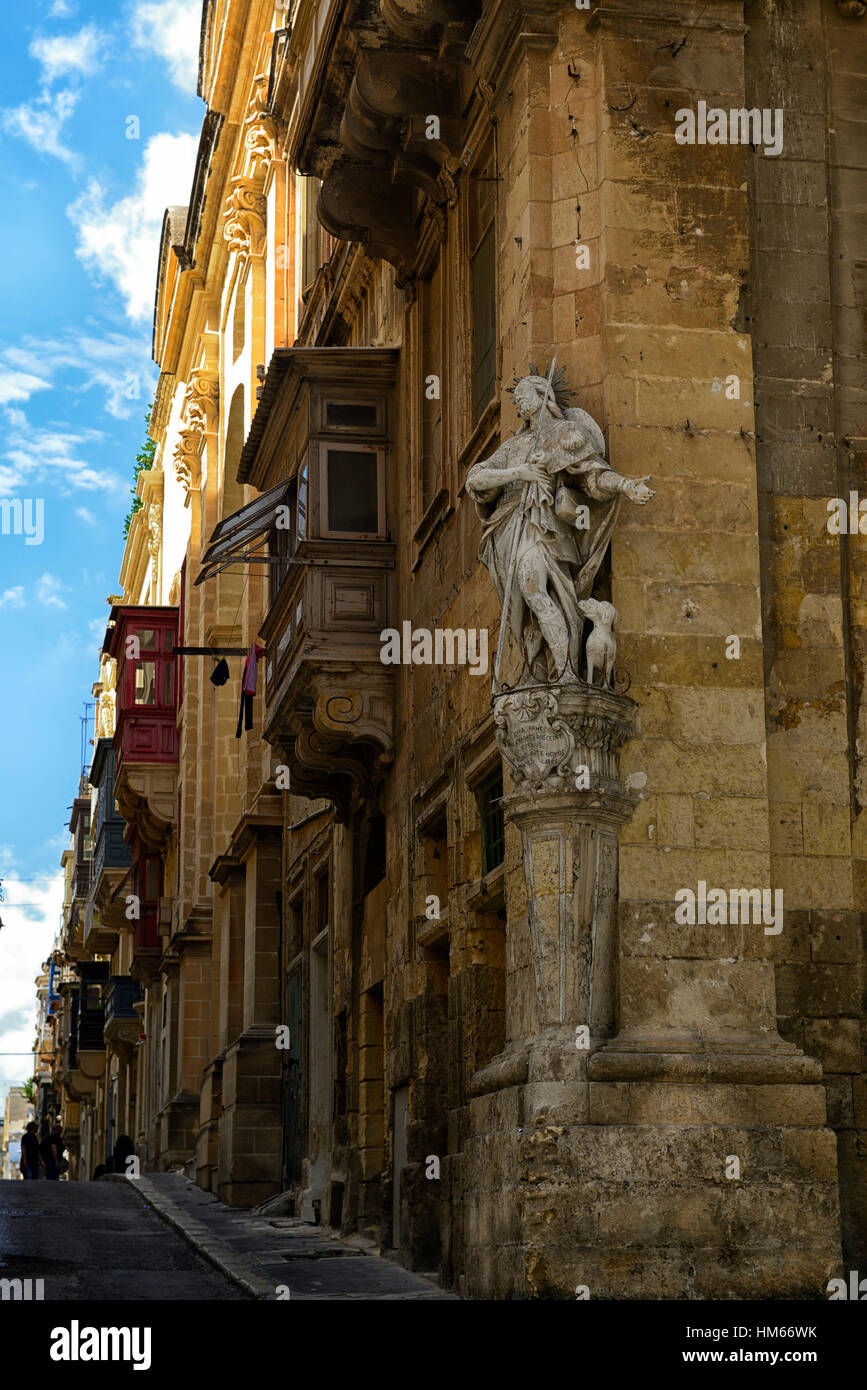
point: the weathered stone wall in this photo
(806, 317)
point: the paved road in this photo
(99, 1241)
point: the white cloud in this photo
(64, 53)
(38, 454)
(31, 919)
(171, 28)
(48, 590)
(18, 386)
(118, 364)
(86, 516)
(122, 241)
(12, 598)
(62, 9)
(41, 121)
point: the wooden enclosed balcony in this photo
(142, 641)
(319, 451)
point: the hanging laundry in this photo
(220, 673)
(248, 689)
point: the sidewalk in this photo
(263, 1253)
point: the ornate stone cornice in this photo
(245, 214)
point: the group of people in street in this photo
(46, 1154)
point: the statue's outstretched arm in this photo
(601, 484)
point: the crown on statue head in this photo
(561, 391)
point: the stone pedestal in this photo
(655, 1161)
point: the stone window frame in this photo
(432, 807)
(482, 137)
(435, 246)
(482, 765)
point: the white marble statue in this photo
(550, 484)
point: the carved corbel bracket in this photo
(262, 130)
(155, 529)
(201, 399)
(146, 795)
(188, 460)
(245, 217)
(401, 130)
(342, 739)
(427, 21)
(360, 203)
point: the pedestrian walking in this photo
(30, 1156)
(123, 1149)
(51, 1150)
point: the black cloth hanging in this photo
(220, 673)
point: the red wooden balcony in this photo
(141, 642)
(146, 738)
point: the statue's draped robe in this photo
(547, 518)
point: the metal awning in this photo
(236, 536)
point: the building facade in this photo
(17, 1115)
(314, 945)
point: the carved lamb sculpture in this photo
(601, 644)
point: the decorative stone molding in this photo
(245, 217)
(104, 690)
(188, 460)
(199, 412)
(155, 529)
(261, 130)
(547, 734)
(201, 400)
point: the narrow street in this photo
(99, 1241)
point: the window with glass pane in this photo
(352, 490)
(145, 683)
(351, 415)
(490, 798)
(167, 683)
(301, 513)
(431, 317)
(310, 257)
(147, 640)
(281, 541)
(483, 276)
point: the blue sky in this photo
(99, 122)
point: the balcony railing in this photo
(81, 879)
(122, 993)
(91, 1031)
